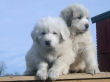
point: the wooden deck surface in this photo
(75, 77)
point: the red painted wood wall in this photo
(103, 44)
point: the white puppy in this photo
(51, 53)
(77, 19)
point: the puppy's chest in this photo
(79, 43)
(82, 41)
(51, 58)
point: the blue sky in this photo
(18, 17)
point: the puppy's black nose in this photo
(86, 26)
(47, 43)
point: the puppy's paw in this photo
(92, 70)
(53, 74)
(42, 74)
(65, 71)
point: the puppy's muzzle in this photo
(86, 26)
(48, 43)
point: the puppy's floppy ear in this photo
(67, 15)
(34, 34)
(65, 33)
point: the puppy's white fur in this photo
(54, 59)
(76, 17)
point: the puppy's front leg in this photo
(42, 70)
(60, 66)
(91, 61)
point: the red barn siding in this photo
(103, 44)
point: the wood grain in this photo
(75, 77)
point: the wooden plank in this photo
(75, 76)
(18, 78)
(95, 80)
(86, 76)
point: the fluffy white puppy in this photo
(76, 17)
(51, 53)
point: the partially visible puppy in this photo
(76, 17)
(51, 53)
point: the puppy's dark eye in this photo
(43, 33)
(54, 33)
(80, 17)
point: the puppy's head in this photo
(77, 18)
(50, 32)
